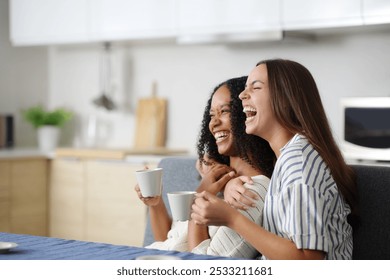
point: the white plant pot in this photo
(48, 136)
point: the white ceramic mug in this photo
(150, 181)
(180, 203)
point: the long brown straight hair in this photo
(297, 105)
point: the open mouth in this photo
(221, 135)
(250, 113)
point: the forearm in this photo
(160, 221)
(270, 245)
(196, 234)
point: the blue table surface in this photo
(32, 247)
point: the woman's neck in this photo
(242, 167)
(279, 140)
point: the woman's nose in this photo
(243, 95)
(215, 120)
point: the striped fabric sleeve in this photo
(303, 215)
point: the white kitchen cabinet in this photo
(132, 19)
(46, 22)
(376, 11)
(41, 22)
(199, 19)
(310, 14)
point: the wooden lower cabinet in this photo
(95, 200)
(5, 190)
(114, 212)
(23, 195)
(66, 199)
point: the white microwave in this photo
(366, 128)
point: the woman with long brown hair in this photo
(312, 193)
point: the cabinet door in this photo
(48, 22)
(4, 196)
(132, 19)
(306, 14)
(220, 17)
(376, 11)
(28, 211)
(67, 198)
(114, 212)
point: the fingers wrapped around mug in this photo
(208, 209)
(148, 201)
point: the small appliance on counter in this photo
(6, 131)
(366, 128)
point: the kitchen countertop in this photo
(128, 155)
(14, 153)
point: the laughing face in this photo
(220, 125)
(260, 119)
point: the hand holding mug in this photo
(148, 201)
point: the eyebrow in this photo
(254, 82)
(257, 81)
(222, 106)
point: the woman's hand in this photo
(208, 209)
(237, 195)
(148, 201)
(216, 178)
(205, 164)
(203, 168)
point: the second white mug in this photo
(180, 203)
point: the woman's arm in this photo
(209, 209)
(160, 220)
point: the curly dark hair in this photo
(253, 149)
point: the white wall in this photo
(23, 79)
(344, 64)
(353, 64)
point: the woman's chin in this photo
(223, 148)
(250, 129)
(221, 151)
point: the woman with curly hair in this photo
(225, 151)
(246, 146)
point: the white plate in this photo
(5, 246)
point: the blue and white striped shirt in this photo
(303, 203)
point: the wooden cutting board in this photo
(151, 123)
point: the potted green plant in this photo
(48, 124)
